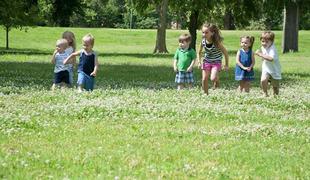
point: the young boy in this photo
(61, 71)
(184, 60)
(271, 69)
(88, 64)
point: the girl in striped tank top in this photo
(211, 63)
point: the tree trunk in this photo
(193, 26)
(290, 27)
(160, 46)
(7, 29)
(229, 20)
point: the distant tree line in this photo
(289, 15)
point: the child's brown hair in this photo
(250, 38)
(217, 36)
(69, 34)
(185, 37)
(267, 35)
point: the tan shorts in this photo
(267, 76)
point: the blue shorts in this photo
(184, 77)
(86, 81)
(61, 76)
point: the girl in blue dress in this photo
(245, 61)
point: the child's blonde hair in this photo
(89, 37)
(267, 35)
(62, 42)
(70, 35)
(216, 37)
(185, 37)
(250, 38)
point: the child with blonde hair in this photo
(88, 64)
(245, 61)
(70, 37)
(271, 68)
(61, 71)
(184, 60)
(214, 50)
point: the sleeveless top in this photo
(87, 62)
(245, 57)
(212, 53)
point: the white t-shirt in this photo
(271, 67)
(59, 59)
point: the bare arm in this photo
(94, 73)
(53, 60)
(238, 61)
(253, 60)
(264, 56)
(175, 68)
(199, 55)
(71, 59)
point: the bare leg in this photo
(80, 88)
(264, 84)
(180, 86)
(53, 87)
(275, 86)
(214, 78)
(190, 85)
(241, 85)
(247, 86)
(205, 78)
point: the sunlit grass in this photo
(135, 125)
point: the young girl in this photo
(244, 63)
(88, 64)
(69, 36)
(214, 50)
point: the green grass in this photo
(135, 125)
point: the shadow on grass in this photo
(101, 54)
(16, 75)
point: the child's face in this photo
(245, 43)
(61, 48)
(266, 43)
(69, 39)
(206, 33)
(184, 44)
(87, 46)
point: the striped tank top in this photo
(212, 53)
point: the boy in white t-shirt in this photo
(271, 69)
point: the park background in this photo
(135, 125)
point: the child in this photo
(69, 36)
(184, 60)
(244, 63)
(214, 50)
(271, 69)
(88, 64)
(61, 71)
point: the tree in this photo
(290, 27)
(16, 14)
(64, 9)
(161, 8)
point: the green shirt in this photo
(184, 58)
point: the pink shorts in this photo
(209, 66)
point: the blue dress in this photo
(245, 60)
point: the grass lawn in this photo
(135, 125)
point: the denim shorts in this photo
(86, 81)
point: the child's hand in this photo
(175, 69)
(225, 68)
(248, 69)
(199, 64)
(93, 73)
(258, 52)
(189, 69)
